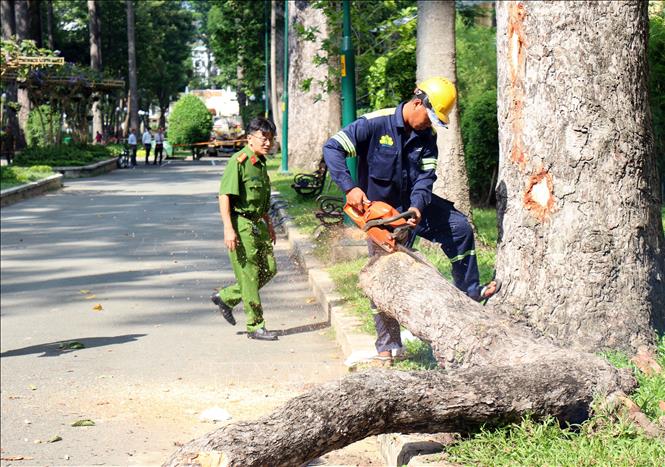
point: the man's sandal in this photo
(489, 290)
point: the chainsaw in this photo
(384, 224)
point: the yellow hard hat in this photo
(441, 95)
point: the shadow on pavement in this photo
(55, 349)
(296, 329)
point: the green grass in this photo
(11, 176)
(603, 440)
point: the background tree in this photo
(133, 101)
(581, 243)
(164, 43)
(22, 23)
(11, 90)
(236, 31)
(436, 57)
(95, 59)
(314, 114)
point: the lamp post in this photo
(348, 69)
(285, 94)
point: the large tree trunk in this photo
(133, 100)
(581, 249)
(436, 55)
(22, 22)
(94, 22)
(277, 63)
(504, 372)
(314, 115)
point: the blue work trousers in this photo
(443, 224)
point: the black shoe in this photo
(263, 335)
(224, 309)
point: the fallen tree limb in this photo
(384, 401)
(497, 372)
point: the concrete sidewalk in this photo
(125, 264)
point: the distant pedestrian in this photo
(147, 143)
(131, 141)
(244, 199)
(98, 138)
(159, 145)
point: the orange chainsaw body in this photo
(383, 223)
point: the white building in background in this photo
(220, 102)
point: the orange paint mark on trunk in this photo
(517, 66)
(538, 197)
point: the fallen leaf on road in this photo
(84, 292)
(33, 387)
(72, 345)
(84, 422)
(16, 458)
(55, 439)
(90, 297)
(310, 300)
(98, 307)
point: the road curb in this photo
(90, 170)
(353, 342)
(30, 190)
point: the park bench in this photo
(330, 210)
(311, 184)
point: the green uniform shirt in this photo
(246, 181)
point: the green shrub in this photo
(66, 155)
(481, 144)
(189, 122)
(42, 126)
(12, 175)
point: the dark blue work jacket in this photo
(393, 166)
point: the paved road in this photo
(146, 246)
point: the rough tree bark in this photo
(312, 121)
(581, 248)
(34, 11)
(500, 372)
(436, 56)
(277, 62)
(133, 100)
(95, 26)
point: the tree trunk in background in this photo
(436, 57)
(49, 25)
(133, 101)
(35, 14)
(277, 63)
(312, 122)
(581, 248)
(240, 93)
(22, 21)
(8, 30)
(94, 24)
(8, 21)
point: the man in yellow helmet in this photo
(397, 157)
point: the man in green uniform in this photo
(244, 199)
